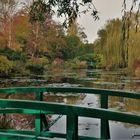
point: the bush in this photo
(43, 60)
(5, 122)
(14, 55)
(37, 65)
(75, 64)
(6, 66)
(137, 71)
(91, 57)
(19, 68)
(35, 68)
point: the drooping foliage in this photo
(115, 51)
(128, 14)
(68, 8)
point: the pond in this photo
(88, 78)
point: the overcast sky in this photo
(108, 9)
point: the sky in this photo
(108, 9)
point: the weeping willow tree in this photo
(128, 14)
(118, 52)
(134, 45)
(111, 45)
(131, 34)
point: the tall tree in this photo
(111, 44)
(7, 10)
(38, 16)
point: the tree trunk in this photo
(10, 33)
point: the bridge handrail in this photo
(64, 109)
(108, 92)
(40, 108)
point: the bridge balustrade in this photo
(40, 108)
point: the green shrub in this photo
(37, 65)
(6, 66)
(43, 60)
(35, 68)
(91, 57)
(13, 55)
(75, 64)
(19, 67)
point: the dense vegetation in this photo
(32, 42)
(115, 51)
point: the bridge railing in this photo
(39, 108)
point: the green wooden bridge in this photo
(40, 108)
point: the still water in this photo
(88, 78)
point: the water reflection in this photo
(88, 78)
(67, 99)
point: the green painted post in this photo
(72, 127)
(105, 132)
(38, 118)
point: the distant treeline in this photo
(32, 46)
